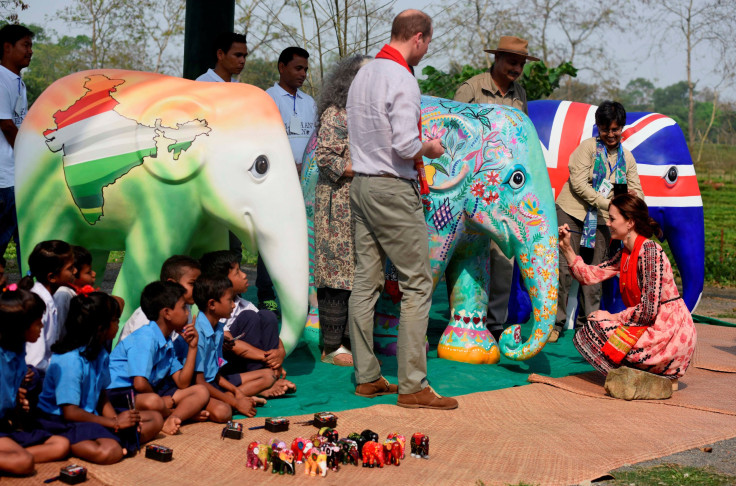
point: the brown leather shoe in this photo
(375, 388)
(427, 398)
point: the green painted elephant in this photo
(492, 182)
(156, 166)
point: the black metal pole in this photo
(205, 19)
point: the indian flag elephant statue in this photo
(492, 183)
(156, 166)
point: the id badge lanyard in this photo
(295, 124)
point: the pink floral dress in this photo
(668, 343)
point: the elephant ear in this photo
(177, 158)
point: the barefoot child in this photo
(181, 269)
(20, 322)
(146, 362)
(257, 345)
(214, 297)
(73, 396)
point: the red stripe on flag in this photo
(655, 186)
(638, 126)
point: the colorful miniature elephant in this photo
(316, 462)
(420, 445)
(392, 451)
(400, 439)
(373, 454)
(263, 451)
(156, 166)
(332, 451)
(359, 441)
(667, 178)
(492, 183)
(298, 446)
(348, 451)
(282, 461)
(330, 434)
(252, 460)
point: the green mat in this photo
(322, 387)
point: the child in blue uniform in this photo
(73, 395)
(214, 297)
(83, 275)
(20, 322)
(146, 362)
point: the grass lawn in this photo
(671, 474)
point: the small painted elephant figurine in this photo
(252, 460)
(359, 440)
(348, 451)
(298, 447)
(332, 451)
(373, 454)
(401, 441)
(420, 445)
(392, 451)
(264, 455)
(330, 434)
(316, 461)
(283, 461)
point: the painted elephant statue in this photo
(492, 183)
(392, 451)
(373, 454)
(667, 177)
(316, 462)
(155, 166)
(251, 456)
(348, 451)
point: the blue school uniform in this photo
(147, 353)
(209, 347)
(71, 379)
(12, 370)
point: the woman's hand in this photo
(600, 315)
(565, 246)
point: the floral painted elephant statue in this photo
(156, 166)
(316, 462)
(491, 183)
(667, 178)
(373, 454)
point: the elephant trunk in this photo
(538, 262)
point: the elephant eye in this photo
(259, 169)
(671, 176)
(517, 179)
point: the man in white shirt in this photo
(298, 109)
(230, 53)
(383, 128)
(17, 43)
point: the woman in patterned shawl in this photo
(334, 262)
(655, 332)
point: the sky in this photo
(632, 53)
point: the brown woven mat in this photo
(710, 391)
(716, 348)
(535, 434)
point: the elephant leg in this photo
(466, 338)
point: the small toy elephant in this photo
(330, 434)
(332, 451)
(348, 451)
(373, 454)
(252, 460)
(392, 451)
(401, 440)
(298, 447)
(420, 445)
(316, 461)
(283, 461)
(359, 440)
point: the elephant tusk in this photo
(454, 181)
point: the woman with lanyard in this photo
(599, 167)
(655, 332)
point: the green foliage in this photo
(260, 72)
(539, 81)
(720, 260)
(672, 474)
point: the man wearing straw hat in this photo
(499, 86)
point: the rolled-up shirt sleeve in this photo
(402, 106)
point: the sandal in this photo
(330, 358)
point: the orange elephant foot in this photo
(472, 355)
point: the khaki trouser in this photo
(590, 295)
(389, 222)
(499, 290)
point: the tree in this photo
(9, 10)
(703, 25)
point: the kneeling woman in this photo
(655, 333)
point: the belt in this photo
(387, 176)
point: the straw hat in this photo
(513, 45)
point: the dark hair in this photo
(12, 33)
(225, 41)
(158, 296)
(410, 22)
(289, 53)
(209, 287)
(609, 112)
(633, 208)
(335, 88)
(2, 261)
(88, 323)
(175, 266)
(18, 310)
(219, 263)
(82, 256)
(47, 257)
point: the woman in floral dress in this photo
(334, 263)
(655, 333)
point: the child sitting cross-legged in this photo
(251, 335)
(73, 401)
(214, 297)
(146, 361)
(21, 443)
